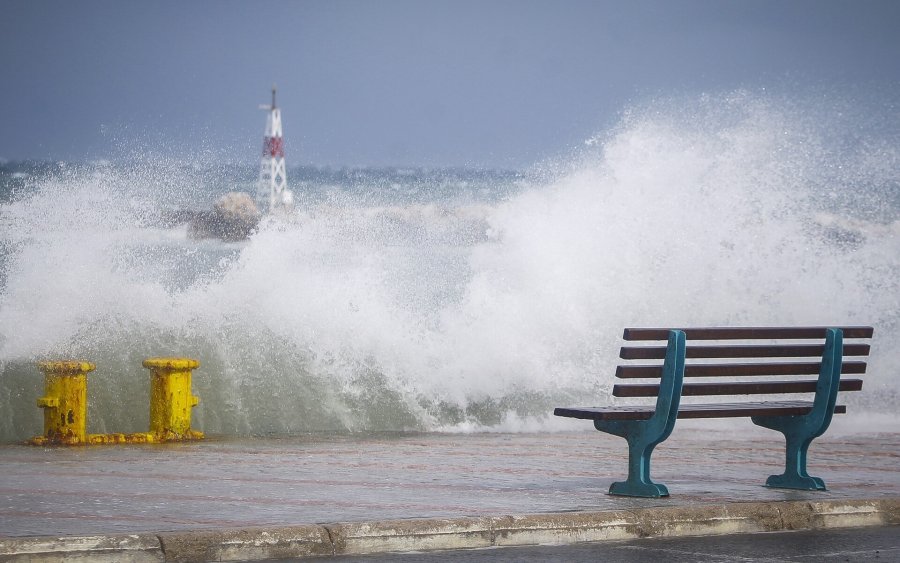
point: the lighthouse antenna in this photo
(273, 96)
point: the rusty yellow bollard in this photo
(171, 400)
(64, 402)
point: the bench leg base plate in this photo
(638, 489)
(799, 482)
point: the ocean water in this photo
(452, 299)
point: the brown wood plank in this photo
(733, 388)
(745, 333)
(738, 370)
(772, 351)
(605, 413)
(717, 410)
(724, 410)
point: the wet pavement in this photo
(231, 483)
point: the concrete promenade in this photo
(322, 495)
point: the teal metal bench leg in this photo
(797, 441)
(644, 435)
(639, 483)
(800, 431)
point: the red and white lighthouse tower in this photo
(272, 189)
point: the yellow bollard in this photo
(64, 402)
(171, 400)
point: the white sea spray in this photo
(386, 307)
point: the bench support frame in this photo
(800, 431)
(644, 435)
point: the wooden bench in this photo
(730, 362)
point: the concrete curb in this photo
(457, 533)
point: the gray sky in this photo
(394, 82)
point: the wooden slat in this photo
(733, 388)
(745, 333)
(737, 370)
(773, 351)
(605, 413)
(779, 408)
(718, 410)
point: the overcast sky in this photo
(392, 82)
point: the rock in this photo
(233, 218)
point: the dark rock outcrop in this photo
(234, 217)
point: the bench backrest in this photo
(741, 360)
